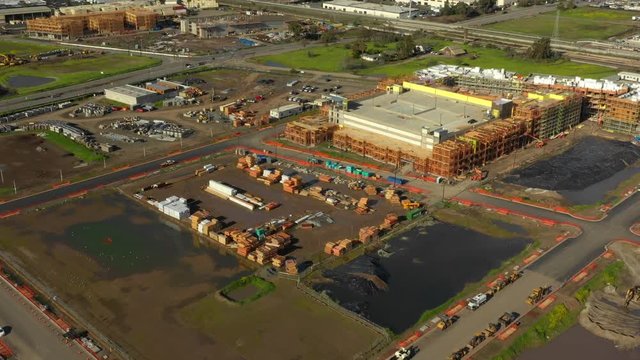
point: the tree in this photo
(486, 6)
(296, 29)
(358, 48)
(406, 47)
(541, 50)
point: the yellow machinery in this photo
(537, 294)
(446, 321)
(632, 293)
(10, 60)
(409, 205)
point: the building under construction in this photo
(309, 131)
(74, 26)
(622, 114)
(399, 134)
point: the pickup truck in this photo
(402, 354)
(168, 163)
(477, 301)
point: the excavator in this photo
(478, 174)
(446, 321)
(632, 293)
(407, 204)
(537, 294)
(11, 60)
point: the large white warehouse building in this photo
(363, 8)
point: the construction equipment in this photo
(477, 339)
(538, 294)
(507, 318)
(460, 353)
(491, 329)
(402, 354)
(631, 293)
(540, 144)
(476, 301)
(446, 321)
(11, 60)
(409, 205)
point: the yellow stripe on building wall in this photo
(447, 94)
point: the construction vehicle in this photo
(478, 175)
(538, 294)
(476, 301)
(205, 170)
(167, 163)
(446, 321)
(409, 205)
(507, 318)
(457, 355)
(491, 329)
(11, 60)
(540, 144)
(477, 339)
(402, 354)
(631, 293)
(514, 275)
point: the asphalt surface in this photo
(553, 269)
(32, 336)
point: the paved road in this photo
(554, 268)
(30, 338)
(511, 14)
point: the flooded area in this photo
(585, 173)
(419, 270)
(578, 343)
(121, 266)
(20, 81)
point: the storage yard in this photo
(119, 265)
(310, 210)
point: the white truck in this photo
(402, 354)
(477, 301)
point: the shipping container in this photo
(396, 180)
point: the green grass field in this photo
(75, 71)
(496, 58)
(24, 48)
(577, 24)
(333, 58)
(330, 58)
(78, 150)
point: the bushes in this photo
(548, 326)
(263, 287)
(607, 276)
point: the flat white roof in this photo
(130, 90)
(368, 6)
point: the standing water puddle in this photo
(427, 266)
(21, 81)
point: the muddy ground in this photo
(30, 160)
(134, 276)
(309, 242)
(590, 161)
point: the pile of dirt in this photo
(588, 162)
(364, 275)
(605, 314)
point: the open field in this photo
(74, 71)
(24, 163)
(137, 276)
(495, 58)
(78, 150)
(584, 23)
(335, 58)
(22, 48)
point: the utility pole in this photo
(61, 180)
(104, 162)
(444, 184)
(144, 151)
(1, 175)
(15, 188)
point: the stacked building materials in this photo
(255, 171)
(371, 190)
(368, 234)
(175, 207)
(390, 221)
(328, 247)
(265, 253)
(339, 250)
(245, 162)
(291, 266)
(292, 185)
(362, 206)
(316, 193)
(198, 216)
(279, 240)
(325, 178)
(277, 261)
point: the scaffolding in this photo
(549, 114)
(309, 131)
(622, 115)
(141, 19)
(106, 23)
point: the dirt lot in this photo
(138, 280)
(309, 242)
(23, 163)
